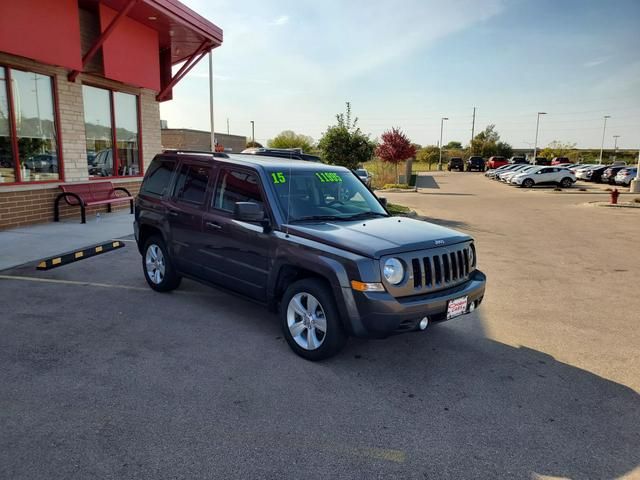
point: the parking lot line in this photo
(71, 282)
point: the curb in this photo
(66, 258)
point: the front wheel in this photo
(528, 183)
(157, 266)
(310, 320)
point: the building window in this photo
(111, 119)
(28, 130)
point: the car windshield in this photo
(316, 195)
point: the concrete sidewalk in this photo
(32, 243)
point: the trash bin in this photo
(412, 180)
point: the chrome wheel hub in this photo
(155, 263)
(306, 321)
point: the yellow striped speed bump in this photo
(64, 259)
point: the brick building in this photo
(80, 86)
(189, 139)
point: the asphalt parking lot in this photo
(103, 378)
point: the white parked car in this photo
(545, 176)
(624, 176)
(496, 171)
(583, 172)
(507, 176)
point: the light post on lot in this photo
(535, 145)
(635, 183)
(604, 129)
(615, 146)
(253, 132)
(441, 128)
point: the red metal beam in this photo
(102, 38)
(186, 68)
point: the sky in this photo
(292, 65)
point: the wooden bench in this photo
(89, 194)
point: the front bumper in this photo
(382, 315)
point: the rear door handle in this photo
(214, 225)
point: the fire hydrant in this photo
(614, 196)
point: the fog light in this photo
(424, 323)
(472, 307)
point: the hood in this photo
(377, 237)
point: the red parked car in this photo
(497, 162)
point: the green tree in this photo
(487, 144)
(291, 139)
(251, 144)
(429, 154)
(453, 145)
(344, 144)
(559, 149)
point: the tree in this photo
(291, 139)
(395, 148)
(487, 144)
(559, 149)
(344, 144)
(453, 145)
(429, 154)
(251, 144)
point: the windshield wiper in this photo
(362, 215)
(315, 217)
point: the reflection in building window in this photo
(104, 126)
(7, 165)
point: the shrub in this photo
(404, 186)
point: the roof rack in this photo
(180, 151)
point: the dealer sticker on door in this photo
(456, 307)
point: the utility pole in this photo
(535, 145)
(473, 125)
(604, 129)
(615, 144)
(213, 135)
(253, 132)
(227, 125)
(441, 127)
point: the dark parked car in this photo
(609, 175)
(541, 161)
(518, 160)
(290, 153)
(475, 163)
(45, 162)
(455, 163)
(364, 175)
(595, 174)
(308, 240)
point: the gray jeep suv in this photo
(307, 240)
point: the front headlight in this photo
(393, 271)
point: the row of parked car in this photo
(479, 164)
(527, 175)
(611, 174)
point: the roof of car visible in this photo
(257, 161)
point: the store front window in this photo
(28, 130)
(111, 119)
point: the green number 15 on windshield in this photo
(278, 177)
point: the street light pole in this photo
(535, 145)
(213, 134)
(441, 128)
(604, 129)
(253, 132)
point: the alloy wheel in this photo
(155, 263)
(307, 321)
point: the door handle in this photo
(214, 225)
(173, 213)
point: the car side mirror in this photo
(248, 212)
(383, 201)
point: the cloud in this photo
(595, 62)
(281, 20)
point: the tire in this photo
(528, 183)
(157, 266)
(298, 327)
(566, 182)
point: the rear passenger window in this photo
(236, 186)
(191, 185)
(158, 177)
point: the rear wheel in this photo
(157, 266)
(310, 320)
(566, 182)
(528, 183)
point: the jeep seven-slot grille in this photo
(436, 271)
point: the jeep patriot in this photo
(310, 241)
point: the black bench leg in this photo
(131, 206)
(83, 213)
(108, 207)
(56, 210)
